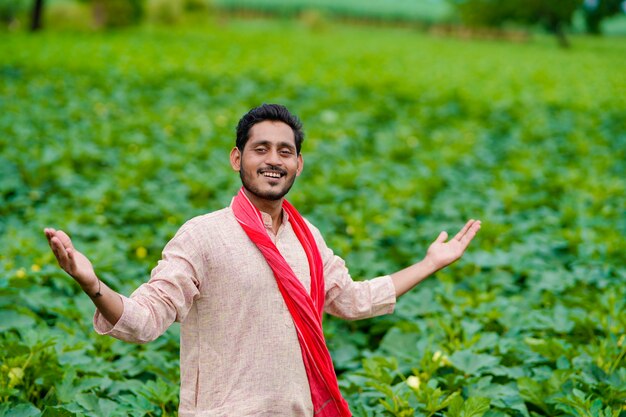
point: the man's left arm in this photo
(354, 300)
(439, 255)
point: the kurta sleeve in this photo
(350, 299)
(167, 296)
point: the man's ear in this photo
(300, 165)
(235, 158)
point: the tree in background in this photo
(117, 13)
(554, 15)
(106, 13)
(37, 13)
(597, 10)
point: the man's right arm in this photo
(155, 305)
(107, 301)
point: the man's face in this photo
(268, 165)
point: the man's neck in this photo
(273, 208)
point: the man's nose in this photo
(273, 157)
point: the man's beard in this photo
(273, 195)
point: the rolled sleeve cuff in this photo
(383, 295)
(124, 329)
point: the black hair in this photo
(274, 112)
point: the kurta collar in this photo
(267, 219)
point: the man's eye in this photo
(260, 150)
(286, 152)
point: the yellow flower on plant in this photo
(445, 361)
(141, 252)
(35, 268)
(441, 359)
(21, 273)
(15, 376)
(620, 342)
(413, 382)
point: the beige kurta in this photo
(239, 352)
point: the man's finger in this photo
(464, 230)
(49, 234)
(64, 238)
(59, 251)
(442, 237)
(467, 238)
(52, 245)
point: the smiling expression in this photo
(269, 163)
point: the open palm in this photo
(441, 253)
(72, 261)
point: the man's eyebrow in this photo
(262, 142)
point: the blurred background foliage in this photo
(116, 119)
(558, 17)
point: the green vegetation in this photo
(559, 17)
(478, 18)
(405, 10)
(119, 138)
(556, 17)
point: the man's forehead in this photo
(270, 131)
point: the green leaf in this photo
(11, 319)
(65, 389)
(505, 396)
(475, 407)
(596, 407)
(472, 407)
(473, 363)
(532, 391)
(98, 406)
(455, 408)
(58, 411)
(20, 410)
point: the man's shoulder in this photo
(212, 217)
(205, 223)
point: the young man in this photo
(249, 284)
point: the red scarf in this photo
(306, 310)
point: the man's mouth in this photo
(272, 173)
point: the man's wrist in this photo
(93, 288)
(430, 266)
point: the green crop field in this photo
(120, 137)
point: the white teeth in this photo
(272, 174)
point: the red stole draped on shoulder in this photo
(306, 310)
